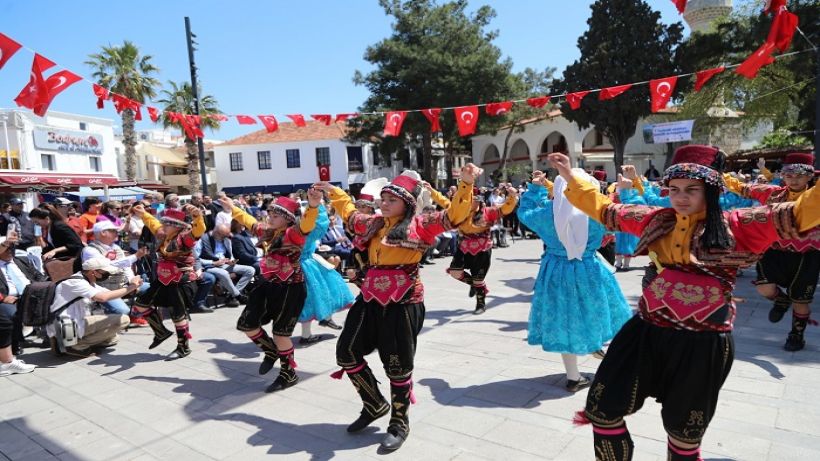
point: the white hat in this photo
(104, 226)
(99, 264)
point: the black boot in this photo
(183, 349)
(781, 306)
(374, 406)
(154, 318)
(401, 396)
(269, 348)
(287, 372)
(676, 453)
(612, 444)
(468, 279)
(795, 340)
(480, 300)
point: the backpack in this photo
(36, 301)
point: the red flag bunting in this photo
(538, 102)
(245, 120)
(101, 93)
(270, 122)
(153, 112)
(661, 91)
(393, 122)
(36, 90)
(498, 108)
(7, 49)
(344, 117)
(467, 119)
(782, 30)
(680, 5)
(574, 99)
(761, 57)
(298, 119)
(56, 84)
(324, 118)
(194, 123)
(218, 117)
(705, 75)
(774, 6)
(613, 91)
(121, 103)
(432, 116)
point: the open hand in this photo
(629, 172)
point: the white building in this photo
(58, 151)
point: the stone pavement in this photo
(483, 393)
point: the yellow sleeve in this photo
(768, 174)
(587, 198)
(440, 199)
(549, 184)
(151, 223)
(198, 227)
(243, 218)
(342, 203)
(308, 220)
(459, 209)
(637, 184)
(509, 205)
(733, 184)
(807, 209)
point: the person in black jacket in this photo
(61, 240)
(243, 248)
(15, 274)
(216, 256)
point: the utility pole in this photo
(817, 110)
(189, 36)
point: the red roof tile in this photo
(289, 132)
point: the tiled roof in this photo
(289, 132)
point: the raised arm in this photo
(759, 192)
(535, 209)
(438, 198)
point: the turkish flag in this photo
(324, 118)
(121, 103)
(467, 119)
(773, 6)
(245, 120)
(393, 122)
(270, 122)
(218, 117)
(661, 91)
(324, 172)
(498, 108)
(680, 5)
(613, 91)
(56, 84)
(761, 57)
(101, 93)
(298, 119)
(705, 75)
(432, 116)
(574, 99)
(782, 30)
(538, 102)
(7, 49)
(344, 117)
(153, 113)
(36, 86)
(194, 123)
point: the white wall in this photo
(279, 173)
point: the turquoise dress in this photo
(625, 243)
(577, 305)
(327, 291)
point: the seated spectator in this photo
(89, 218)
(216, 256)
(338, 242)
(25, 226)
(244, 250)
(110, 211)
(92, 330)
(103, 246)
(60, 239)
(17, 273)
(205, 282)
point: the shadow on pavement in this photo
(512, 393)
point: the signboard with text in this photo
(660, 133)
(68, 141)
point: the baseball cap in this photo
(15, 201)
(99, 264)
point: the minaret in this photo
(700, 15)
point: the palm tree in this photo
(123, 70)
(180, 99)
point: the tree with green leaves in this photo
(125, 71)
(180, 99)
(626, 42)
(438, 55)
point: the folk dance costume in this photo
(280, 298)
(625, 242)
(793, 264)
(679, 348)
(471, 262)
(577, 305)
(389, 313)
(366, 204)
(175, 283)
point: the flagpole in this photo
(194, 90)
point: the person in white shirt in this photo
(81, 290)
(15, 274)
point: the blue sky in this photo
(262, 57)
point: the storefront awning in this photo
(164, 155)
(24, 178)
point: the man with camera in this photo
(77, 327)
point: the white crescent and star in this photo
(465, 119)
(61, 81)
(395, 119)
(663, 88)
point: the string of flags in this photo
(40, 91)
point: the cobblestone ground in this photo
(483, 393)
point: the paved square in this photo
(483, 392)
